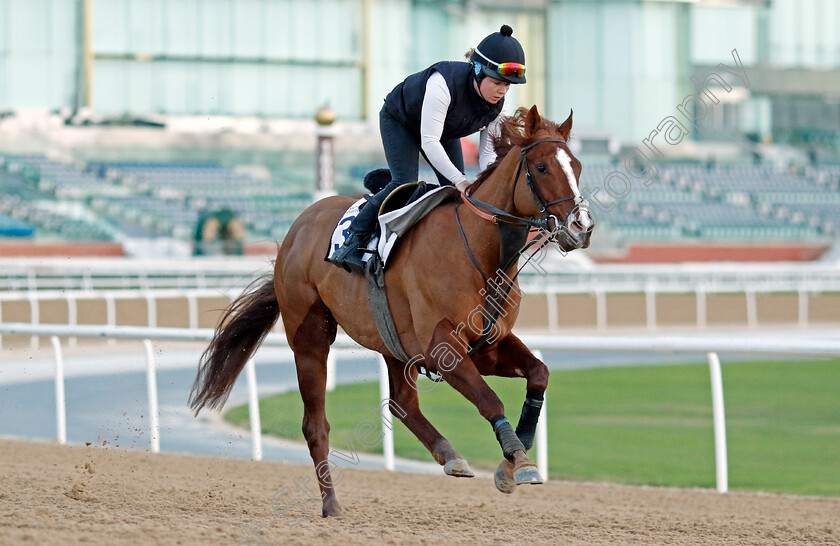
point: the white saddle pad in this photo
(342, 231)
(392, 225)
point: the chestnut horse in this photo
(434, 281)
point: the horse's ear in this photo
(566, 126)
(532, 120)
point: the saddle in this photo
(400, 211)
(405, 195)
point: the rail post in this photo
(111, 315)
(542, 435)
(721, 463)
(752, 308)
(34, 316)
(385, 413)
(151, 308)
(551, 307)
(254, 411)
(151, 389)
(192, 306)
(60, 405)
(803, 307)
(601, 309)
(700, 295)
(331, 362)
(72, 317)
(650, 306)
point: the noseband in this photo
(578, 219)
(513, 233)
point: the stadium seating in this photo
(138, 199)
(44, 197)
(728, 203)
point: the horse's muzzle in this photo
(575, 231)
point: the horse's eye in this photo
(542, 168)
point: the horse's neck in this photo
(483, 235)
(497, 189)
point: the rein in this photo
(535, 190)
(498, 216)
(513, 234)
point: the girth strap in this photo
(380, 309)
(382, 317)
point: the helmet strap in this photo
(478, 78)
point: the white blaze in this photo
(566, 163)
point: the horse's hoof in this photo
(527, 474)
(331, 509)
(458, 468)
(503, 478)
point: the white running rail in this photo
(781, 343)
(33, 300)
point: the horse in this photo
(436, 281)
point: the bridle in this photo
(513, 232)
(578, 221)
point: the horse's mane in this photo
(512, 133)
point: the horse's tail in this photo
(242, 329)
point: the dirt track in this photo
(59, 494)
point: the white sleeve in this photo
(486, 151)
(432, 117)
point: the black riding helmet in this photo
(500, 56)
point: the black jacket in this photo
(468, 112)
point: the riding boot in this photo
(349, 255)
(362, 228)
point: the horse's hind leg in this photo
(311, 344)
(405, 405)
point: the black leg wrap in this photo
(528, 420)
(506, 436)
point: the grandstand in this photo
(746, 204)
(114, 201)
(118, 200)
(152, 118)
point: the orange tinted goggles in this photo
(511, 70)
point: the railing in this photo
(793, 343)
(117, 273)
(600, 292)
(71, 298)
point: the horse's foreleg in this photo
(405, 405)
(311, 345)
(514, 353)
(511, 358)
(458, 369)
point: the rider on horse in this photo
(428, 113)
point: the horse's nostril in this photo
(584, 227)
(584, 221)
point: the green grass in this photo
(640, 425)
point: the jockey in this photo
(428, 113)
